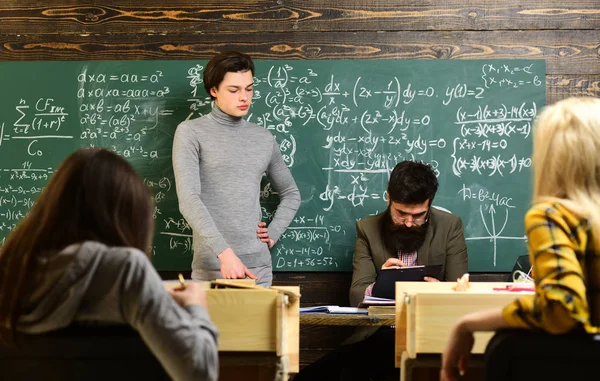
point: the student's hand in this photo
(392, 263)
(263, 234)
(430, 279)
(456, 356)
(192, 294)
(462, 283)
(232, 267)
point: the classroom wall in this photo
(564, 33)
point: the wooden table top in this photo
(322, 318)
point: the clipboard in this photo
(385, 284)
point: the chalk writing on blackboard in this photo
(341, 126)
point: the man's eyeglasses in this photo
(414, 221)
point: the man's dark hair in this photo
(412, 182)
(224, 63)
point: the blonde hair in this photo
(566, 158)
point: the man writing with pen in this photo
(409, 233)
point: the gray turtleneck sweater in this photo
(219, 161)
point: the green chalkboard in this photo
(341, 125)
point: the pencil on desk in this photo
(182, 281)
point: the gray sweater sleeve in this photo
(289, 195)
(186, 159)
(184, 340)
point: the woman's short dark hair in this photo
(223, 63)
(412, 183)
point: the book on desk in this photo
(335, 310)
(382, 311)
(375, 301)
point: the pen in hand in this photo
(392, 263)
(181, 282)
(188, 294)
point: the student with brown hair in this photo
(80, 255)
(219, 160)
(563, 235)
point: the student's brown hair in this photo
(223, 63)
(94, 195)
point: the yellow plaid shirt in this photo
(560, 248)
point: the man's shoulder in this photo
(193, 126)
(443, 217)
(371, 222)
(195, 122)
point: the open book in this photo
(335, 310)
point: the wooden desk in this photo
(426, 313)
(320, 318)
(258, 331)
(322, 333)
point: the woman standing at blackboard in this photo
(219, 161)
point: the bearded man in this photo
(409, 233)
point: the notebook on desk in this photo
(375, 301)
(385, 285)
(335, 310)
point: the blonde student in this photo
(81, 256)
(563, 234)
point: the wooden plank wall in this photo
(564, 33)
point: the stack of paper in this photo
(384, 311)
(375, 301)
(335, 310)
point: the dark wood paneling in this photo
(317, 341)
(318, 288)
(324, 337)
(173, 275)
(488, 277)
(566, 52)
(563, 86)
(175, 17)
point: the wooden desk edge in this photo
(320, 318)
(408, 295)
